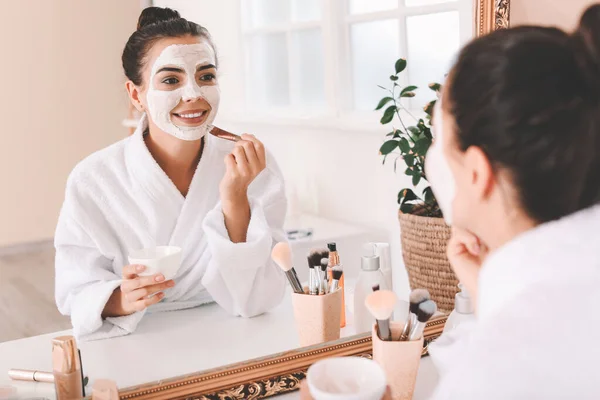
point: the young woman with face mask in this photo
(516, 169)
(170, 183)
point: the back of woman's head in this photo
(156, 23)
(529, 97)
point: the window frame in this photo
(335, 25)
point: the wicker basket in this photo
(424, 242)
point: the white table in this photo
(170, 344)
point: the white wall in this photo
(62, 98)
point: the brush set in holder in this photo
(318, 305)
(397, 346)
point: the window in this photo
(326, 57)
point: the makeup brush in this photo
(314, 262)
(424, 314)
(324, 282)
(417, 296)
(312, 288)
(223, 134)
(336, 276)
(282, 255)
(381, 305)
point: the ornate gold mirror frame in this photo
(263, 377)
(282, 373)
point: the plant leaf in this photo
(388, 147)
(381, 87)
(427, 133)
(436, 87)
(406, 195)
(422, 146)
(428, 195)
(388, 115)
(414, 130)
(400, 65)
(409, 159)
(416, 179)
(383, 102)
(408, 89)
(429, 108)
(408, 171)
(390, 134)
(404, 146)
(393, 78)
(408, 94)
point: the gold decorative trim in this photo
(491, 15)
(264, 377)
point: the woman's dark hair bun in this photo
(155, 15)
(587, 42)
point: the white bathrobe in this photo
(119, 199)
(538, 326)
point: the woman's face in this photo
(463, 182)
(180, 91)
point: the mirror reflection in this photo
(203, 184)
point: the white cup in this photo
(346, 378)
(161, 259)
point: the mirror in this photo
(303, 77)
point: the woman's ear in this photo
(482, 174)
(134, 95)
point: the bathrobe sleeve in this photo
(241, 277)
(84, 276)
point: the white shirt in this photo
(538, 324)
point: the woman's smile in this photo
(190, 117)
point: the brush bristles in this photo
(381, 304)
(426, 310)
(337, 273)
(324, 263)
(418, 296)
(282, 256)
(375, 288)
(315, 257)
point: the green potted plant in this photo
(424, 234)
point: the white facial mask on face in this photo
(438, 170)
(161, 103)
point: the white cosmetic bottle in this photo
(369, 276)
(463, 310)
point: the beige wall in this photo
(62, 98)
(562, 13)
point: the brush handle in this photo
(294, 282)
(335, 285)
(417, 331)
(407, 326)
(383, 329)
(312, 282)
(223, 134)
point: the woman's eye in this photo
(208, 77)
(170, 81)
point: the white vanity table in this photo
(171, 344)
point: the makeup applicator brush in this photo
(417, 296)
(381, 305)
(314, 262)
(223, 134)
(424, 313)
(282, 256)
(336, 275)
(324, 282)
